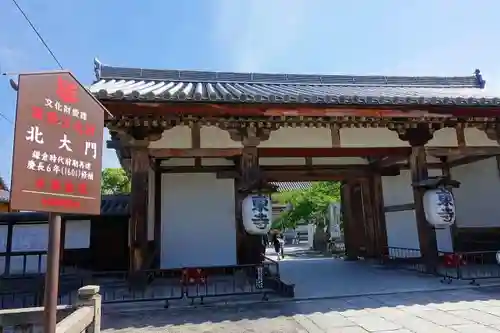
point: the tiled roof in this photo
(117, 204)
(136, 84)
(291, 186)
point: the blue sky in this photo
(391, 37)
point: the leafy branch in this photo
(309, 205)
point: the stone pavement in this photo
(465, 310)
(320, 277)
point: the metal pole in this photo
(52, 274)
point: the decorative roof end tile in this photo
(479, 77)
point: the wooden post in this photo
(351, 234)
(379, 215)
(426, 234)
(139, 205)
(418, 137)
(89, 296)
(250, 247)
(368, 219)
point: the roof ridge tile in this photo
(127, 73)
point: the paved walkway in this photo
(316, 276)
(412, 303)
(467, 310)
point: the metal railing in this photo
(466, 266)
(83, 316)
(26, 263)
(156, 285)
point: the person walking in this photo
(278, 245)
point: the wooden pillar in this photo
(418, 137)
(139, 205)
(379, 215)
(426, 233)
(353, 219)
(369, 246)
(250, 247)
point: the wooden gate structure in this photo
(254, 127)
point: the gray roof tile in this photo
(192, 86)
(291, 186)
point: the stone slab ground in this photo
(466, 310)
(317, 276)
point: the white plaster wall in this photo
(445, 137)
(299, 137)
(477, 199)
(197, 221)
(214, 137)
(475, 137)
(370, 137)
(305, 137)
(177, 137)
(34, 237)
(402, 226)
(383, 137)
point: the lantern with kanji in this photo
(257, 214)
(439, 206)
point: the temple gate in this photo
(197, 142)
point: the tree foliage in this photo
(115, 181)
(308, 205)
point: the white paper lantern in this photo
(439, 207)
(257, 214)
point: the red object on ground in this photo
(193, 276)
(454, 260)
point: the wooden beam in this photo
(279, 152)
(388, 161)
(313, 175)
(399, 208)
(454, 151)
(468, 159)
(194, 152)
(333, 152)
(196, 169)
(118, 108)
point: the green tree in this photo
(114, 181)
(308, 205)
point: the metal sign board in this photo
(57, 155)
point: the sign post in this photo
(57, 160)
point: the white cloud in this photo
(258, 30)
